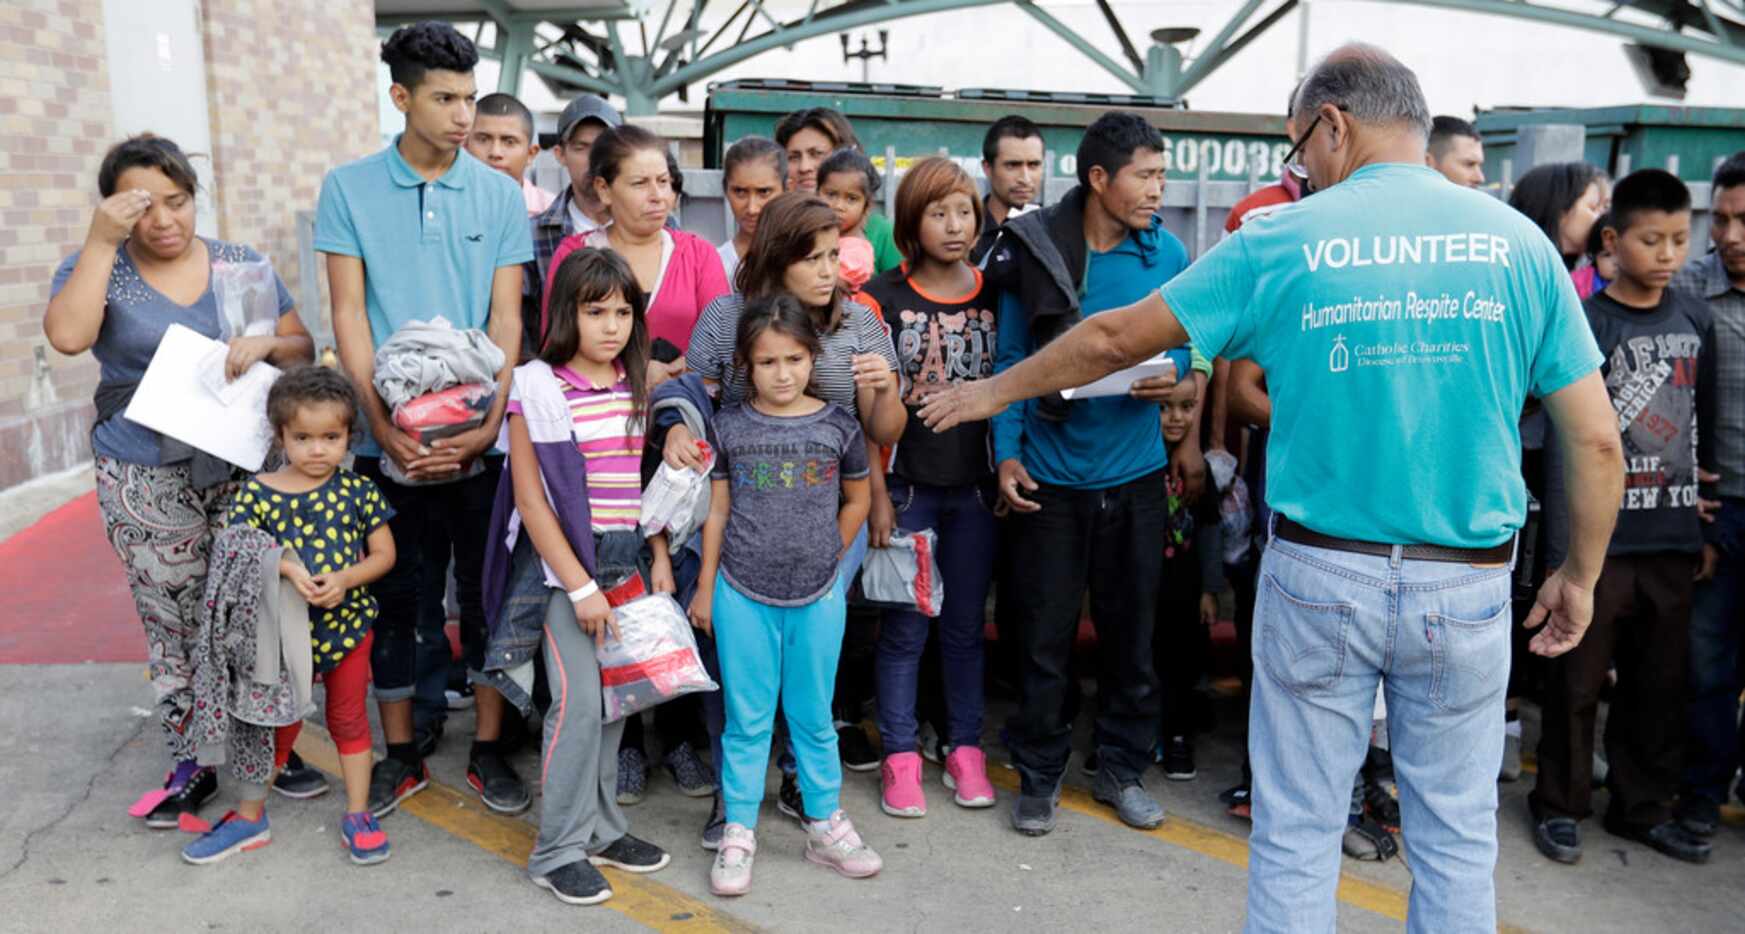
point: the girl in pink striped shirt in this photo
(575, 427)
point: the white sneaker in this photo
(833, 843)
(731, 874)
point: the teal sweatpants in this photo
(770, 652)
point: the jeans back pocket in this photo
(1300, 642)
(1469, 657)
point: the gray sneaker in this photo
(1132, 804)
(1033, 816)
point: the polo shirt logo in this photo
(475, 238)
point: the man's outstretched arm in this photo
(1101, 344)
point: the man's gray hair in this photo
(1369, 84)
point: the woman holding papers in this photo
(141, 270)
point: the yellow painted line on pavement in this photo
(1374, 897)
(637, 897)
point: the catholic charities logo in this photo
(1339, 358)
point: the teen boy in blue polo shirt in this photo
(417, 230)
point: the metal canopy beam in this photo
(1728, 48)
(1711, 28)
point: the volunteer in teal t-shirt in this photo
(1401, 322)
(1409, 320)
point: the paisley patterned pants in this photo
(161, 528)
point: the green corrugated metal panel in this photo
(919, 122)
(1648, 133)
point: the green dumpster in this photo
(1628, 137)
(920, 121)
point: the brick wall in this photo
(291, 89)
(54, 126)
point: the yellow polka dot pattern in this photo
(327, 527)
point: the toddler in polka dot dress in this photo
(333, 525)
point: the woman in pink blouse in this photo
(680, 272)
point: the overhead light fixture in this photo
(1174, 34)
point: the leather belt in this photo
(1295, 532)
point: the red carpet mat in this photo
(63, 595)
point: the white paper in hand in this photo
(184, 395)
(1118, 383)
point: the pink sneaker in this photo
(834, 843)
(902, 786)
(966, 772)
(731, 874)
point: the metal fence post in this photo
(1200, 211)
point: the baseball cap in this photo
(586, 107)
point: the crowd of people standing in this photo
(844, 378)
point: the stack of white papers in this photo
(1119, 382)
(184, 395)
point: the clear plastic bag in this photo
(248, 299)
(652, 660)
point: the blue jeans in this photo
(404, 635)
(1717, 665)
(1328, 626)
(433, 659)
(966, 540)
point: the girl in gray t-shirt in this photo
(789, 494)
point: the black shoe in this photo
(1381, 806)
(1091, 766)
(1368, 841)
(497, 784)
(1033, 815)
(188, 799)
(1559, 838)
(298, 780)
(788, 799)
(631, 855)
(857, 752)
(426, 739)
(578, 883)
(1700, 817)
(1667, 837)
(1178, 760)
(714, 826)
(393, 781)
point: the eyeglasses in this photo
(1302, 141)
